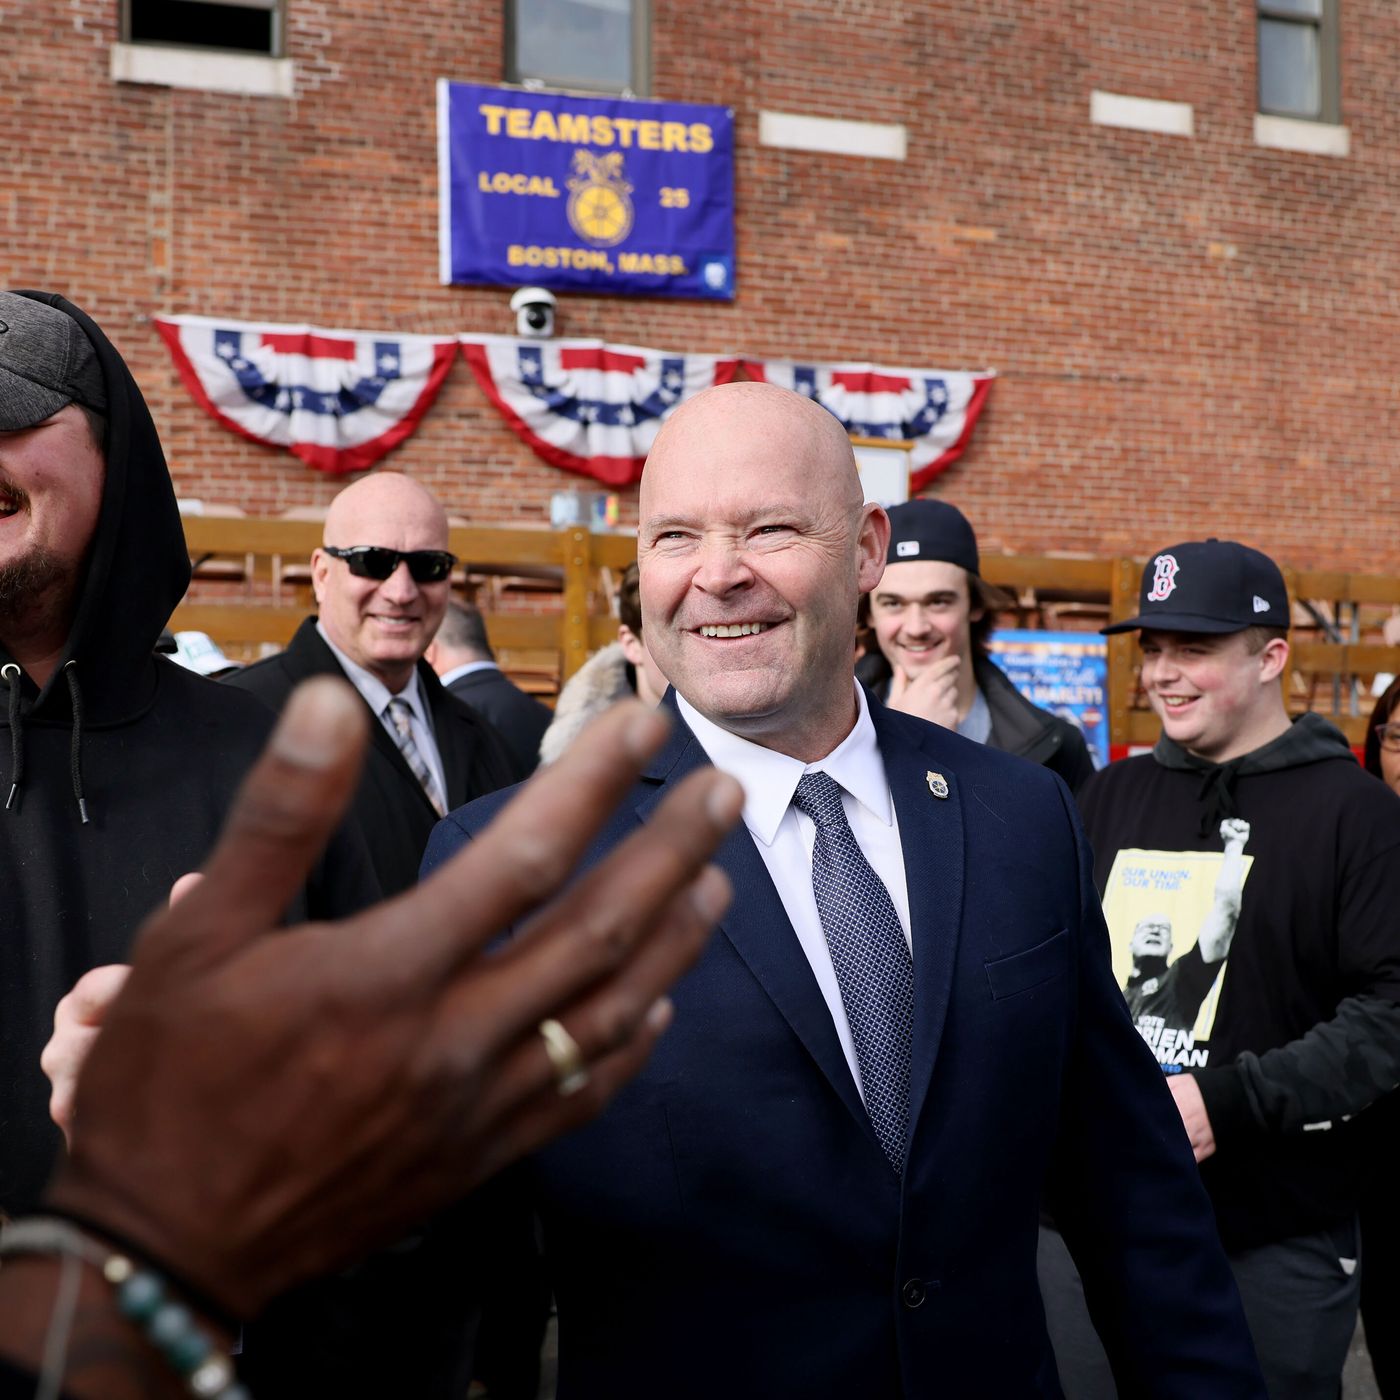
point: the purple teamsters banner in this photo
(585, 194)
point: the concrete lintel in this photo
(1142, 114)
(1311, 138)
(878, 140)
(250, 75)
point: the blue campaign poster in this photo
(1063, 672)
(585, 193)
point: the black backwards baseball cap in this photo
(46, 363)
(1213, 586)
(931, 530)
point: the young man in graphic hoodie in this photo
(1298, 1029)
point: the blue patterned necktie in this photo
(400, 713)
(871, 958)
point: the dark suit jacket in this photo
(730, 1226)
(390, 805)
(520, 718)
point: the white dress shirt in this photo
(377, 696)
(785, 837)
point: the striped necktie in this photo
(400, 714)
(868, 950)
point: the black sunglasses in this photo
(370, 561)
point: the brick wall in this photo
(1193, 334)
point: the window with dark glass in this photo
(1298, 59)
(596, 45)
(238, 26)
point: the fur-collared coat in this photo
(604, 679)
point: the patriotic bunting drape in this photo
(338, 400)
(585, 406)
(934, 409)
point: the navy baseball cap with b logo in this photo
(1214, 586)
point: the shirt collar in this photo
(457, 672)
(377, 695)
(769, 778)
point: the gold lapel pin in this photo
(937, 784)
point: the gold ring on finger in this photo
(570, 1072)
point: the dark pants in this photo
(1299, 1298)
(1378, 1131)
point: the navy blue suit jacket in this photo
(730, 1226)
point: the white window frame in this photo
(640, 81)
(1329, 60)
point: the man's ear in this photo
(631, 644)
(872, 544)
(320, 567)
(976, 609)
(1273, 660)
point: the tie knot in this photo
(399, 711)
(818, 795)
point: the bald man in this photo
(381, 584)
(827, 1181)
(405, 1323)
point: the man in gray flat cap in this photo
(117, 766)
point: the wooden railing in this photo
(545, 595)
(262, 563)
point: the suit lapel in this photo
(454, 741)
(758, 928)
(308, 655)
(931, 834)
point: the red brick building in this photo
(1192, 307)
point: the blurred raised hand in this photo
(263, 1104)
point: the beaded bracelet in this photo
(142, 1296)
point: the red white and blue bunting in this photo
(934, 409)
(341, 400)
(585, 406)
(338, 400)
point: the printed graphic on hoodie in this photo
(1171, 918)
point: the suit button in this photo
(914, 1293)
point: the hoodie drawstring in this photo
(12, 676)
(1217, 792)
(75, 751)
(14, 679)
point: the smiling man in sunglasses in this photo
(381, 579)
(381, 584)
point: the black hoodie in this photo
(1306, 1028)
(127, 764)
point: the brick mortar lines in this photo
(1194, 335)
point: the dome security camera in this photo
(534, 312)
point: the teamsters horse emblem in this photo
(600, 207)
